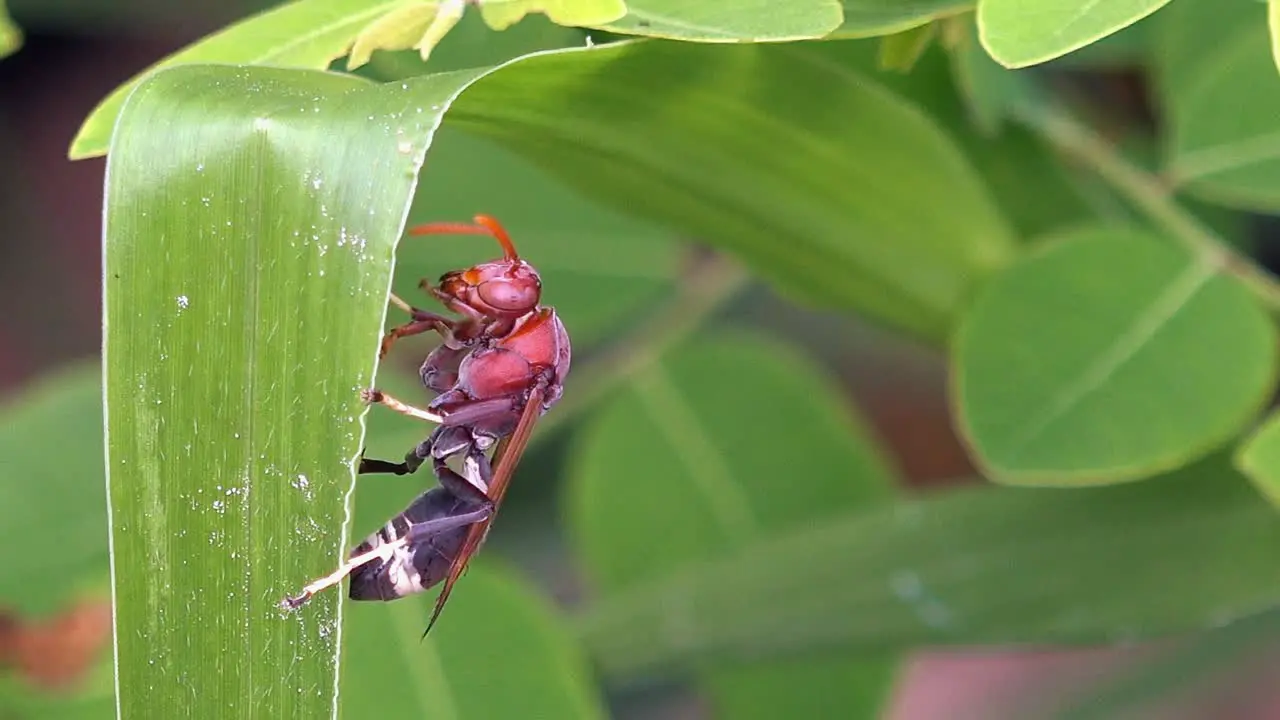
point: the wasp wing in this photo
(506, 457)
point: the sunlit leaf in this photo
(1017, 37)
(502, 14)
(694, 447)
(403, 28)
(986, 565)
(727, 20)
(1108, 356)
(252, 216)
(871, 207)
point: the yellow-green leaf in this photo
(502, 14)
(10, 33)
(728, 20)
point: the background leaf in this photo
(867, 18)
(50, 438)
(1230, 158)
(10, 33)
(1259, 458)
(1068, 372)
(727, 20)
(502, 14)
(847, 172)
(684, 465)
(240, 328)
(984, 565)
(500, 652)
(1017, 38)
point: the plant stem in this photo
(1147, 194)
(709, 286)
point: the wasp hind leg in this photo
(416, 533)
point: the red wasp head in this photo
(509, 287)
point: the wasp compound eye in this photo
(510, 295)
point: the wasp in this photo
(501, 365)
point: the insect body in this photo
(501, 365)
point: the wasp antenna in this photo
(500, 234)
(484, 225)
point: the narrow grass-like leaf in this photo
(985, 565)
(1108, 356)
(1018, 38)
(707, 452)
(728, 20)
(51, 442)
(871, 207)
(251, 221)
(10, 33)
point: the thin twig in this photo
(700, 293)
(1148, 194)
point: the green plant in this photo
(1103, 321)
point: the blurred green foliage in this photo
(732, 524)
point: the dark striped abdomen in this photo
(415, 567)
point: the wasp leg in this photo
(373, 395)
(439, 372)
(415, 533)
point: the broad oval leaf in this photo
(51, 442)
(708, 451)
(979, 566)
(870, 206)
(500, 652)
(252, 216)
(1215, 55)
(1108, 356)
(727, 20)
(1017, 37)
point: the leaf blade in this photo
(1017, 39)
(1068, 373)
(217, 376)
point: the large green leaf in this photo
(1211, 56)
(870, 207)
(251, 221)
(1108, 356)
(1017, 37)
(985, 565)
(728, 20)
(51, 442)
(706, 452)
